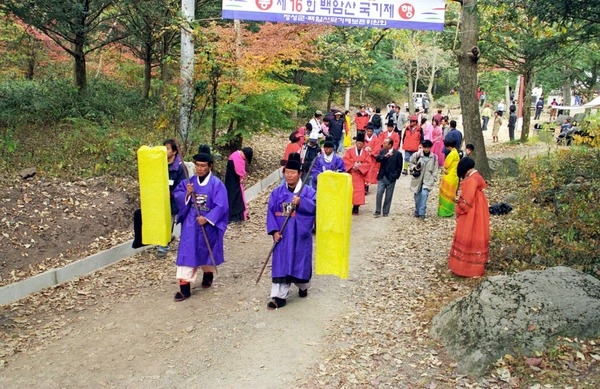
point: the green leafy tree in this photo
(77, 26)
(153, 29)
(514, 37)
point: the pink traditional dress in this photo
(437, 137)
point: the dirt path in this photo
(119, 327)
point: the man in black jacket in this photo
(389, 171)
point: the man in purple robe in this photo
(292, 255)
(209, 193)
(328, 160)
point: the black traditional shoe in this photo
(207, 280)
(275, 303)
(185, 291)
(302, 292)
(355, 210)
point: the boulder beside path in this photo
(519, 313)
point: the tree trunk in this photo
(214, 102)
(164, 70)
(31, 62)
(529, 83)
(298, 77)
(80, 68)
(330, 96)
(467, 70)
(147, 70)
(432, 79)
(411, 101)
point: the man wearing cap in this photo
(358, 162)
(328, 160)
(316, 122)
(423, 167)
(310, 151)
(292, 254)
(411, 140)
(390, 133)
(205, 193)
(337, 130)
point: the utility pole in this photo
(187, 68)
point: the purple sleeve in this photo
(272, 223)
(219, 210)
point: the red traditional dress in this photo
(373, 146)
(470, 246)
(362, 160)
(394, 136)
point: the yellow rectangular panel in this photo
(334, 221)
(154, 195)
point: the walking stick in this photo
(287, 218)
(210, 253)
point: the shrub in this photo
(557, 221)
(50, 101)
(591, 132)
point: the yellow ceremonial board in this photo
(154, 195)
(334, 221)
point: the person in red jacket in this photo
(361, 120)
(390, 133)
(411, 140)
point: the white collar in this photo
(328, 158)
(205, 182)
(298, 186)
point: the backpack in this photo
(376, 120)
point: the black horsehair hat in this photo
(204, 154)
(294, 162)
(329, 142)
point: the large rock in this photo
(504, 166)
(518, 313)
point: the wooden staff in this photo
(287, 218)
(210, 253)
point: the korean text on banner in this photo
(154, 195)
(334, 220)
(415, 15)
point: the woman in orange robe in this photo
(470, 246)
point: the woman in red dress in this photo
(469, 252)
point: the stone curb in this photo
(16, 291)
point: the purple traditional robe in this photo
(336, 165)
(292, 256)
(211, 196)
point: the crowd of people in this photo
(382, 151)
